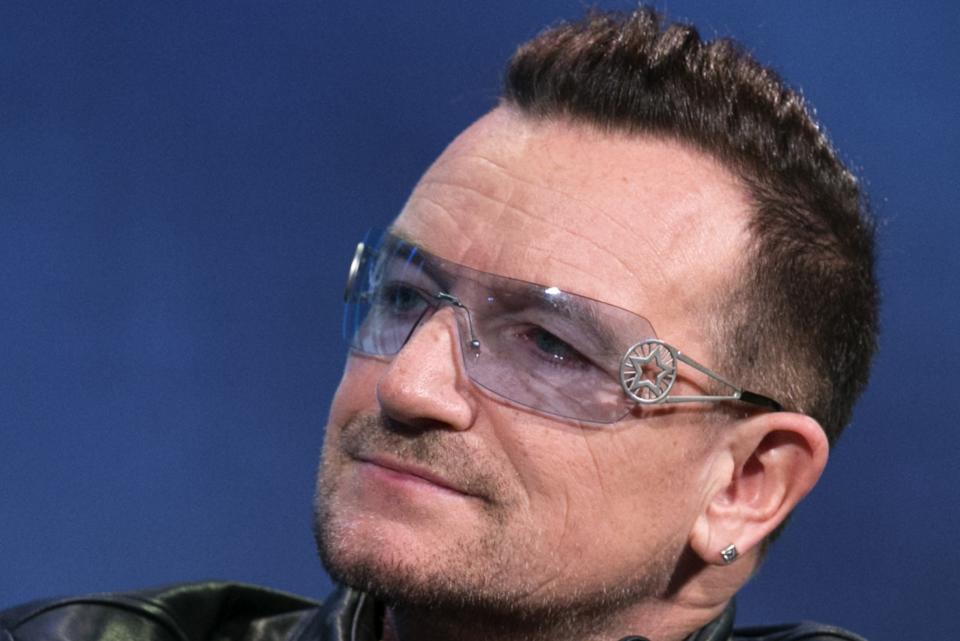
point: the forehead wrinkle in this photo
(426, 202)
(419, 199)
(439, 182)
(593, 136)
(630, 271)
(631, 274)
(540, 185)
(642, 245)
(593, 207)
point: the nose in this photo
(425, 385)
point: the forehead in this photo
(643, 223)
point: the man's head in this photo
(799, 320)
(654, 173)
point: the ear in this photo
(773, 459)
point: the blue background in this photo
(181, 186)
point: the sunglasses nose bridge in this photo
(436, 314)
(453, 301)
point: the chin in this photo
(490, 578)
(415, 563)
(391, 563)
(407, 542)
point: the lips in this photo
(418, 472)
(436, 457)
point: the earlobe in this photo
(775, 459)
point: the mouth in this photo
(393, 471)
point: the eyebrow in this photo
(524, 294)
(413, 254)
(571, 307)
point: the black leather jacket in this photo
(234, 612)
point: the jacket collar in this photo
(349, 615)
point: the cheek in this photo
(585, 486)
(357, 390)
(356, 393)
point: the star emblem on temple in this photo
(648, 371)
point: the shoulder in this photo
(182, 612)
(806, 631)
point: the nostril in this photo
(412, 427)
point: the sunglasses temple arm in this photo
(737, 393)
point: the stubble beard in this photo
(487, 578)
(466, 573)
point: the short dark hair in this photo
(799, 322)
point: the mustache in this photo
(445, 454)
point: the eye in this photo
(401, 299)
(554, 349)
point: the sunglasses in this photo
(537, 346)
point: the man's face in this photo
(432, 490)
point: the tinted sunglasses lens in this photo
(539, 347)
(545, 349)
(382, 309)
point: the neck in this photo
(660, 621)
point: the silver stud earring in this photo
(729, 554)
